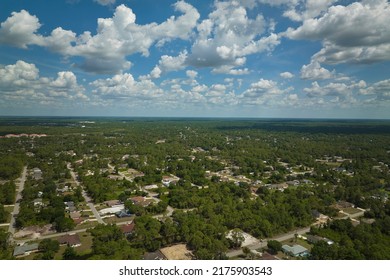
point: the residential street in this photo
(280, 238)
(15, 212)
(285, 236)
(86, 197)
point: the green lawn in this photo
(86, 225)
(351, 210)
(117, 220)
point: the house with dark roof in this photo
(123, 214)
(72, 240)
(315, 239)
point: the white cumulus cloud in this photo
(286, 75)
(227, 36)
(20, 30)
(116, 38)
(357, 33)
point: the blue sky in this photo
(248, 58)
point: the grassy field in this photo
(351, 210)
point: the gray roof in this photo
(21, 250)
(295, 249)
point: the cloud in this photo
(15, 74)
(331, 89)
(191, 74)
(124, 86)
(381, 90)
(105, 2)
(301, 10)
(286, 75)
(227, 36)
(314, 71)
(21, 82)
(116, 37)
(20, 29)
(356, 33)
(168, 64)
(263, 92)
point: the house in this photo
(75, 215)
(315, 238)
(123, 214)
(293, 183)
(115, 177)
(128, 229)
(280, 187)
(38, 203)
(138, 200)
(70, 207)
(37, 173)
(112, 210)
(150, 187)
(344, 204)
(295, 250)
(72, 240)
(25, 249)
(111, 203)
(167, 180)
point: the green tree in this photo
(5, 248)
(49, 248)
(274, 246)
(70, 254)
(237, 237)
(3, 214)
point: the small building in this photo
(75, 215)
(72, 240)
(128, 229)
(38, 203)
(115, 177)
(37, 173)
(150, 187)
(25, 249)
(344, 204)
(123, 214)
(112, 210)
(137, 200)
(315, 238)
(168, 180)
(111, 203)
(295, 250)
(70, 207)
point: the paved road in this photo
(54, 235)
(286, 236)
(86, 197)
(262, 244)
(15, 212)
